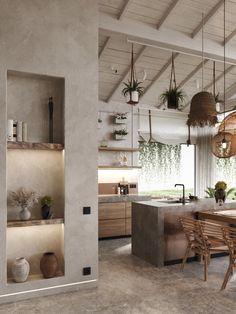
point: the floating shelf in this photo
(34, 277)
(35, 222)
(118, 149)
(34, 146)
(120, 167)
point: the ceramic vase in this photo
(47, 212)
(20, 269)
(49, 265)
(25, 214)
(220, 196)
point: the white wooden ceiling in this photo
(154, 25)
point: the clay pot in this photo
(49, 265)
(20, 269)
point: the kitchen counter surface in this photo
(115, 198)
(157, 236)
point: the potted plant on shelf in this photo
(172, 96)
(120, 118)
(132, 91)
(120, 134)
(47, 203)
(24, 199)
(99, 123)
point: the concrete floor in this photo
(129, 285)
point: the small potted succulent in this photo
(172, 96)
(132, 91)
(24, 199)
(220, 194)
(99, 123)
(120, 118)
(120, 134)
(47, 203)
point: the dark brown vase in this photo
(220, 195)
(49, 265)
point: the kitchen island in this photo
(157, 236)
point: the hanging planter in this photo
(120, 134)
(173, 95)
(132, 90)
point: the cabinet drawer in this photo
(128, 211)
(128, 226)
(111, 228)
(111, 211)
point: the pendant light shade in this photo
(202, 110)
(223, 145)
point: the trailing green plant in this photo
(121, 132)
(99, 120)
(47, 200)
(210, 192)
(217, 98)
(132, 87)
(121, 116)
(172, 96)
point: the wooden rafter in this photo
(120, 16)
(124, 9)
(191, 74)
(104, 47)
(228, 38)
(136, 59)
(159, 74)
(207, 17)
(167, 13)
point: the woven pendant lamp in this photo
(217, 148)
(202, 109)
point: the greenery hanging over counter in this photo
(159, 162)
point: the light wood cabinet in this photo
(114, 219)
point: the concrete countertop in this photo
(115, 198)
(201, 204)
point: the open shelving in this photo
(119, 167)
(118, 149)
(34, 222)
(30, 145)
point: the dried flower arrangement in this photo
(23, 198)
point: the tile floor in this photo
(129, 285)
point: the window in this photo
(225, 170)
(163, 166)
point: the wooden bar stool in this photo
(229, 235)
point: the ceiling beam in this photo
(136, 59)
(120, 16)
(165, 38)
(229, 37)
(159, 74)
(167, 13)
(104, 47)
(191, 74)
(207, 17)
(124, 9)
(218, 78)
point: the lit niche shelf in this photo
(34, 277)
(118, 149)
(35, 222)
(34, 146)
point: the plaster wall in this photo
(59, 39)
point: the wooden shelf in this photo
(120, 167)
(118, 149)
(34, 146)
(34, 277)
(35, 222)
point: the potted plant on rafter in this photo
(132, 90)
(173, 95)
(120, 134)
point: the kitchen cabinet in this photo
(114, 219)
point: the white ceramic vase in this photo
(135, 96)
(25, 214)
(20, 269)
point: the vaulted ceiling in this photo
(157, 28)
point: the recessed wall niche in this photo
(27, 100)
(36, 167)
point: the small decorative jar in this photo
(20, 270)
(220, 194)
(49, 265)
(25, 214)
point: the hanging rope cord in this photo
(172, 74)
(203, 51)
(224, 66)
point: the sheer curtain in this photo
(205, 174)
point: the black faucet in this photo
(183, 198)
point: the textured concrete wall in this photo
(57, 38)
